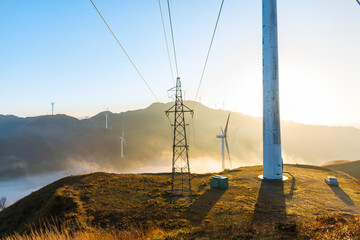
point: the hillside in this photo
(142, 201)
(44, 144)
(335, 162)
(350, 167)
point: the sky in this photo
(61, 51)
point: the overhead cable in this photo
(207, 57)
(173, 39)
(166, 41)
(137, 70)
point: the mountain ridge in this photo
(51, 143)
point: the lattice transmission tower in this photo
(180, 182)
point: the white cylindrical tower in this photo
(272, 159)
(222, 154)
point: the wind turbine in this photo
(107, 118)
(52, 108)
(223, 138)
(122, 143)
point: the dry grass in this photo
(249, 209)
(53, 233)
(331, 227)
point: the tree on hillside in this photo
(2, 203)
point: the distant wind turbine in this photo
(223, 138)
(122, 142)
(52, 108)
(107, 118)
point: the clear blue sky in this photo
(61, 51)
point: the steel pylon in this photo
(181, 178)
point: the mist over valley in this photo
(40, 148)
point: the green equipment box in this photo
(219, 182)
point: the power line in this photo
(166, 41)
(207, 57)
(173, 39)
(137, 70)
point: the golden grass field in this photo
(139, 206)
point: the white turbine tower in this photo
(272, 158)
(223, 142)
(52, 108)
(107, 118)
(122, 143)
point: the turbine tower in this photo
(52, 108)
(107, 118)
(180, 181)
(122, 144)
(272, 158)
(223, 138)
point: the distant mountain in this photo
(50, 143)
(350, 167)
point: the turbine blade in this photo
(124, 142)
(227, 148)
(222, 131)
(227, 122)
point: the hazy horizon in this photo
(93, 114)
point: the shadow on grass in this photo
(292, 188)
(342, 195)
(291, 193)
(201, 206)
(270, 203)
